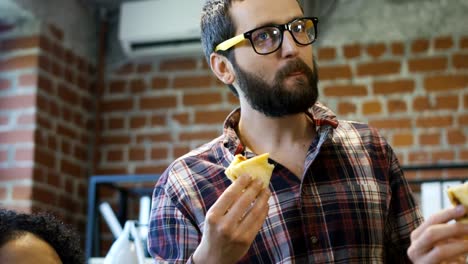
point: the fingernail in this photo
(460, 209)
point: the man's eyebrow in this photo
(271, 23)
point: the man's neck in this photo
(263, 134)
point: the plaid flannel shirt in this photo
(353, 204)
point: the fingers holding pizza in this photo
(437, 241)
(234, 220)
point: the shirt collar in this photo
(321, 116)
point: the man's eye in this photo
(263, 36)
(298, 28)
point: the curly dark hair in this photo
(61, 237)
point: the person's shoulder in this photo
(355, 129)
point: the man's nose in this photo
(289, 47)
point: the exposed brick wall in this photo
(46, 118)
(415, 92)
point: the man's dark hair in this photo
(217, 26)
(62, 238)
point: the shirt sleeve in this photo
(172, 237)
(404, 214)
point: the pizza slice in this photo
(459, 195)
(256, 167)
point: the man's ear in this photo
(222, 68)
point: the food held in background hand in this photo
(256, 167)
(459, 195)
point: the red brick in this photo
(181, 118)
(200, 135)
(158, 120)
(178, 65)
(211, 117)
(376, 50)
(137, 122)
(136, 154)
(429, 139)
(345, 90)
(14, 173)
(391, 87)
(24, 154)
(125, 69)
(395, 106)
(370, 108)
(5, 84)
(420, 45)
(202, 99)
(193, 81)
(428, 64)
(114, 155)
(22, 192)
(116, 105)
(150, 169)
(115, 140)
(463, 120)
(68, 95)
(421, 104)
(159, 153)
(443, 156)
(352, 51)
(464, 42)
(144, 68)
(460, 61)
(447, 102)
(4, 120)
(3, 155)
(403, 140)
(419, 157)
(346, 108)
(117, 86)
(44, 158)
(116, 123)
(464, 155)
(27, 80)
(66, 131)
(232, 99)
(3, 193)
(159, 83)
(444, 42)
(44, 195)
(19, 43)
(326, 53)
(154, 137)
(434, 121)
(335, 72)
(160, 102)
(383, 123)
(182, 150)
(58, 51)
(20, 62)
(437, 83)
(378, 68)
(456, 137)
(137, 86)
(398, 48)
(17, 136)
(26, 119)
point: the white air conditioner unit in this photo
(160, 28)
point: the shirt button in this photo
(313, 239)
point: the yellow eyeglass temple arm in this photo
(227, 44)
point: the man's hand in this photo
(435, 241)
(233, 222)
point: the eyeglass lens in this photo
(268, 39)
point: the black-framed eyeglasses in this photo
(268, 39)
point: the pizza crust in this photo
(459, 195)
(256, 167)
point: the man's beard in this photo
(276, 100)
